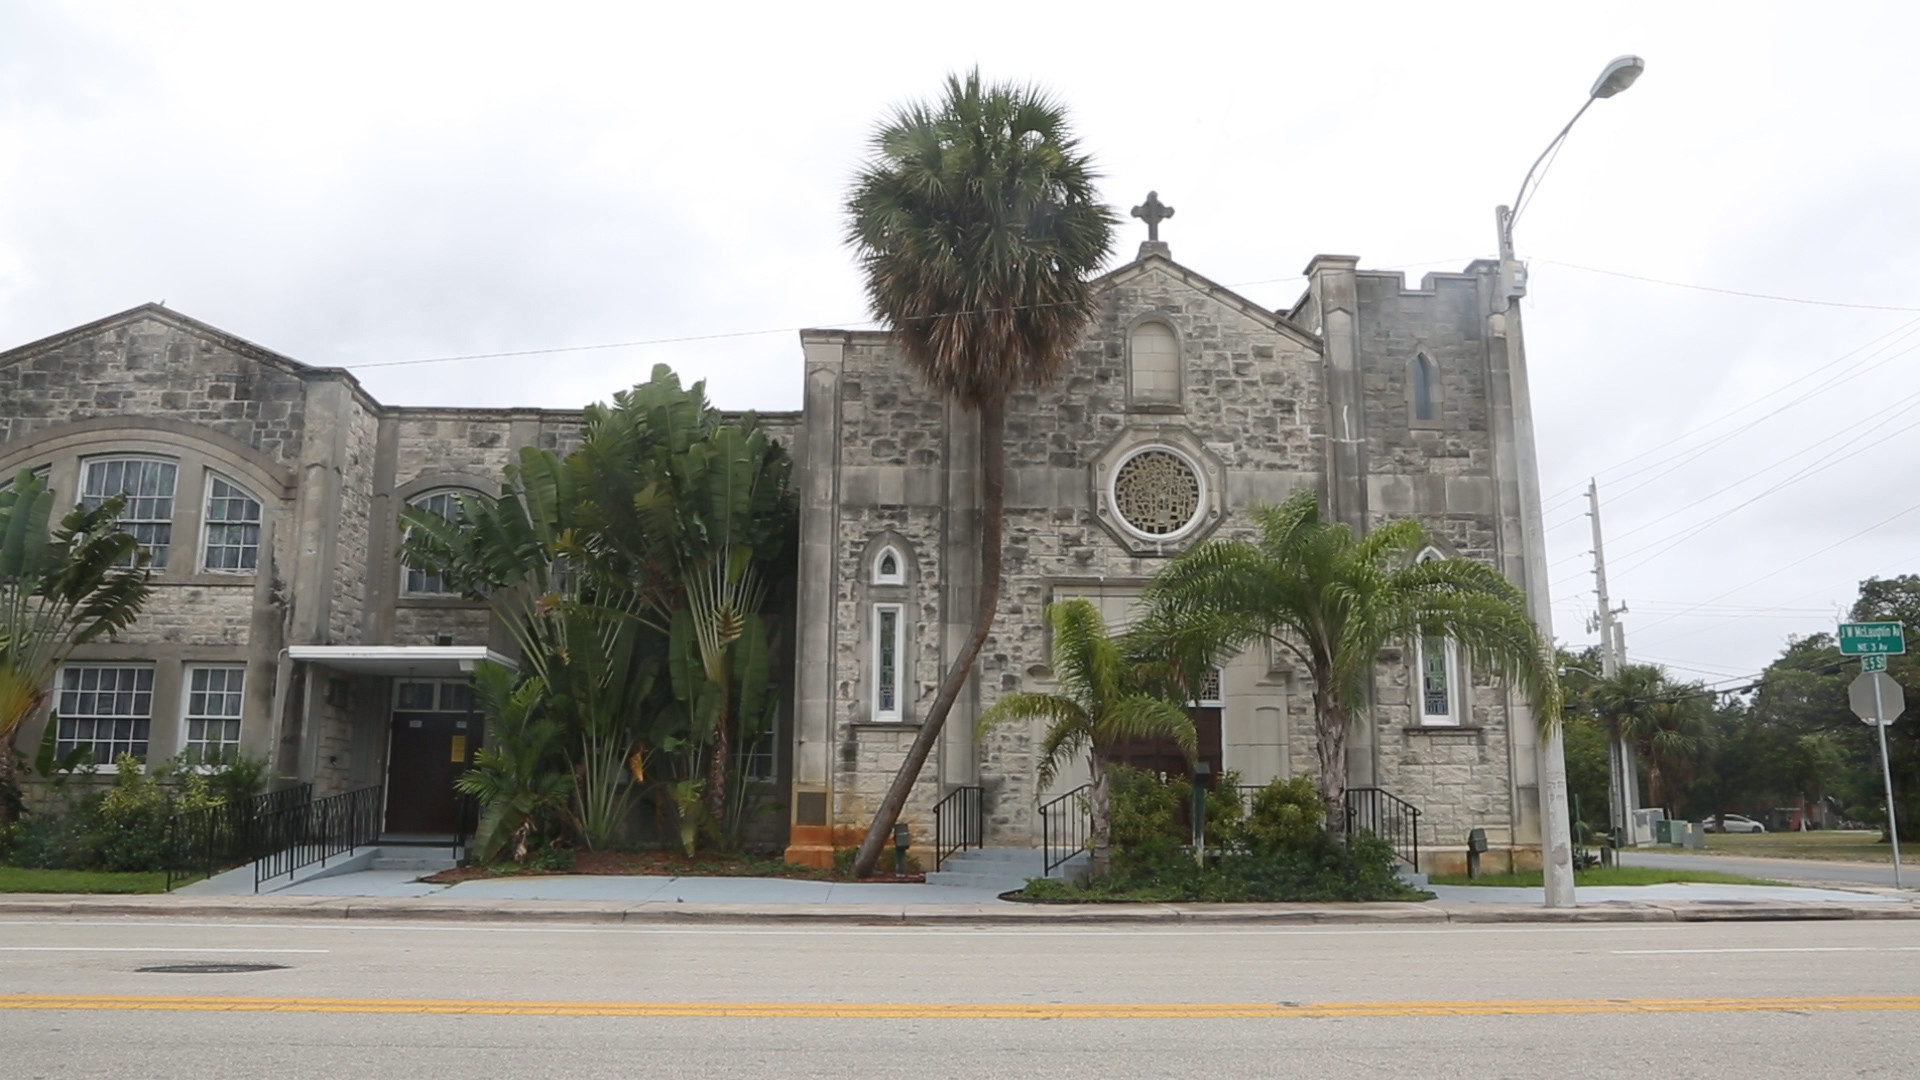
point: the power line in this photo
(1727, 292)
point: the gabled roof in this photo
(162, 314)
(1213, 290)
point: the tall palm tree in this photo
(59, 589)
(1666, 722)
(1333, 601)
(978, 228)
(1103, 703)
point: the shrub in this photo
(1287, 815)
(552, 859)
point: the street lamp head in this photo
(1619, 74)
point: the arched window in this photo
(147, 483)
(445, 503)
(1153, 358)
(889, 568)
(1438, 693)
(231, 534)
(1423, 391)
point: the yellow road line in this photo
(959, 1011)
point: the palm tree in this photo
(59, 589)
(977, 226)
(1665, 722)
(1101, 705)
(1333, 601)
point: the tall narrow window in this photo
(887, 650)
(213, 713)
(447, 505)
(1154, 364)
(105, 709)
(233, 528)
(1425, 398)
(147, 484)
(1437, 674)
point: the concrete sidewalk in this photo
(474, 907)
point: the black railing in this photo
(203, 842)
(301, 836)
(1388, 817)
(957, 823)
(1065, 824)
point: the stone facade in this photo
(1381, 396)
(330, 467)
(1390, 401)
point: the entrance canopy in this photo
(420, 661)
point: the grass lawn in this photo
(1616, 875)
(1843, 845)
(14, 879)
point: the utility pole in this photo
(1622, 781)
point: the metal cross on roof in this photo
(1153, 212)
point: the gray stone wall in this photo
(140, 364)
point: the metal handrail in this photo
(301, 836)
(1389, 817)
(957, 823)
(203, 842)
(1065, 823)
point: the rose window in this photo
(1157, 493)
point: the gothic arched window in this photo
(889, 568)
(1426, 389)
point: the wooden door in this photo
(428, 751)
(1164, 757)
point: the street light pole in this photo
(1550, 756)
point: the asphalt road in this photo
(1848, 873)
(1748, 1000)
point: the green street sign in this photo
(1872, 638)
(1873, 662)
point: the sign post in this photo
(1877, 699)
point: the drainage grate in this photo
(210, 968)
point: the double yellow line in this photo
(934, 1011)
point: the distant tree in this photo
(978, 228)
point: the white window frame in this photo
(160, 553)
(1456, 688)
(898, 611)
(899, 574)
(1218, 700)
(1199, 507)
(207, 525)
(407, 573)
(64, 746)
(188, 717)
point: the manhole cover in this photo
(210, 968)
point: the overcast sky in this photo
(364, 184)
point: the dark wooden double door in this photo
(1163, 756)
(427, 753)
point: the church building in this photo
(284, 623)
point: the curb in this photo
(429, 909)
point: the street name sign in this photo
(1876, 698)
(1870, 638)
(1874, 662)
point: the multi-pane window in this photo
(106, 709)
(447, 505)
(213, 713)
(233, 527)
(1436, 681)
(147, 484)
(1156, 363)
(433, 695)
(886, 661)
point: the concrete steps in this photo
(1000, 869)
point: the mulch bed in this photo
(665, 864)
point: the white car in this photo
(1735, 823)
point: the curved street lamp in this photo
(1504, 319)
(1619, 74)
